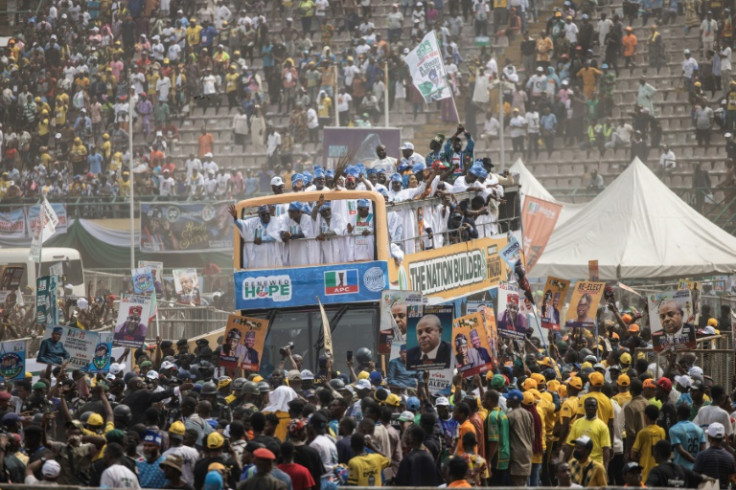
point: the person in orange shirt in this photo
(629, 42)
(462, 415)
(456, 471)
(205, 143)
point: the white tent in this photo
(638, 228)
(530, 186)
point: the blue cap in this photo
(371, 171)
(319, 173)
(152, 436)
(383, 191)
(212, 423)
(403, 166)
(213, 481)
(297, 177)
(402, 348)
(483, 173)
(295, 206)
(58, 330)
(263, 209)
(475, 170)
(363, 203)
(604, 66)
(515, 395)
(375, 377)
(413, 403)
(360, 168)
(396, 177)
(330, 174)
(307, 176)
(353, 171)
(418, 167)
(326, 205)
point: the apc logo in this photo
(341, 282)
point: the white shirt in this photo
(668, 160)
(711, 413)
(208, 83)
(726, 58)
(387, 164)
(688, 66)
(517, 126)
(312, 120)
(118, 476)
(191, 164)
(327, 451)
(571, 32)
(166, 187)
(532, 122)
(273, 142)
(343, 102)
(189, 457)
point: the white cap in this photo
(583, 440)
(307, 374)
(152, 374)
(110, 377)
(708, 331)
(407, 146)
(716, 430)
(406, 416)
(82, 304)
(695, 371)
(277, 181)
(683, 381)
(687, 51)
(52, 468)
(442, 402)
(363, 384)
(115, 368)
(167, 365)
(208, 155)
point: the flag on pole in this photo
(47, 221)
(427, 69)
(326, 330)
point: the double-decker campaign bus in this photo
(464, 273)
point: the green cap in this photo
(498, 381)
(146, 364)
(115, 435)
(38, 385)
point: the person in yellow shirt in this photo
(231, 86)
(623, 396)
(594, 428)
(124, 184)
(569, 408)
(194, 33)
(605, 408)
(645, 441)
(324, 108)
(364, 470)
(586, 471)
(106, 147)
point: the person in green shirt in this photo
(497, 441)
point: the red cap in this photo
(665, 384)
(263, 453)
(5, 396)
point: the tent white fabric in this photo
(530, 186)
(638, 228)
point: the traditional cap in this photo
(152, 436)
(51, 468)
(263, 453)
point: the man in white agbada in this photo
(262, 247)
(361, 230)
(330, 230)
(396, 193)
(296, 229)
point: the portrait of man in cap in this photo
(52, 350)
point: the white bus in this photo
(67, 260)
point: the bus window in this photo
(72, 270)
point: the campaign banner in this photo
(593, 272)
(470, 345)
(12, 360)
(142, 280)
(428, 338)
(512, 322)
(157, 269)
(489, 324)
(186, 285)
(511, 253)
(586, 296)
(440, 381)
(395, 306)
(361, 143)
(12, 276)
(54, 212)
(47, 311)
(61, 343)
(185, 227)
(555, 292)
(243, 345)
(13, 224)
(538, 220)
(671, 317)
(102, 354)
(301, 286)
(134, 317)
(427, 69)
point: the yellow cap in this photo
(553, 385)
(712, 322)
(623, 380)
(215, 440)
(625, 358)
(216, 467)
(596, 379)
(529, 384)
(586, 364)
(95, 419)
(393, 400)
(177, 428)
(364, 375)
(257, 379)
(528, 398)
(539, 378)
(576, 382)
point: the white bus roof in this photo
(49, 254)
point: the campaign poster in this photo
(538, 217)
(490, 326)
(12, 360)
(47, 311)
(511, 322)
(555, 292)
(13, 224)
(593, 272)
(671, 317)
(440, 382)
(34, 221)
(186, 284)
(185, 227)
(470, 345)
(134, 317)
(142, 280)
(511, 253)
(586, 295)
(428, 338)
(427, 69)
(61, 343)
(102, 354)
(243, 345)
(361, 143)
(11, 277)
(157, 269)
(395, 306)
(694, 287)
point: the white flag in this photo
(427, 69)
(45, 229)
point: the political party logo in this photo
(341, 282)
(173, 213)
(11, 364)
(533, 207)
(374, 279)
(102, 356)
(143, 282)
(208, 213)
(275, 288)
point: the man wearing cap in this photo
(521, 438)
(460, 159)
(186, 455)
(585, 470)
(150, 473)
(569, 408)
(262, 245)
(50, 469)
(716, 462)
(330, 229)
(715, 412)
(497, 430)
(604, 407)
(292, 227)
(361, 229)
(466, 357)
(214, 454)
(264, 460)
(51, 350)
(592, 427)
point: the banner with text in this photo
(395, 306)
(70, 344)
(12, 360)
(190, 227)
(346, 283)
(586, 296)
(243, 345)
(47, 311)
(538, 220)
(470, 345)
(427, 69)
(555, 293)
(134, 317)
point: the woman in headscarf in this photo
(278, 404)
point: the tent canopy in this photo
(530, 186)
(638, 228)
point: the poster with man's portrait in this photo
(186, 285)
(470, 345)
(586, 296)
(555, 292)
(428, 338)
(102, 354)
(243, 344)
(12, 360)
(395, 307)
(511, 322)
(671, 318)
(74, 345)
(134, 316)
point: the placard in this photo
(185, 227)
(586, 296)
(428, 337)
(12, 360)
(62, 343)
(243, 344)
(512, 322)
(102, 354)
(134, 317)
(143, 280)
(395, 306)
(555, 293)
(47, 311)
(511, 253)
(186, 284)
(670, 319)
(470, 345)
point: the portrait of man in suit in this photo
(431, 351)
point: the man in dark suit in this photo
(431, 350)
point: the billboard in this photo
(360, 143)
(185, 227)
